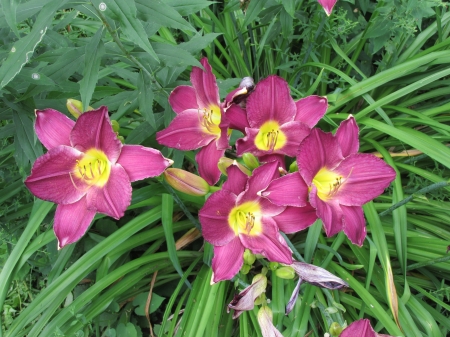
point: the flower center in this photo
(270, 137)
(210, 119)
(94, 168)
(246, 219)
(327, 183)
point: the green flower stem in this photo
(421, 191)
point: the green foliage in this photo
(386, 62)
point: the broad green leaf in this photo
(145, 98)
(174, 56)
(25, 138)
(186, 7)
(199, 42)
(9, 8)
(289, 7)
(125, 12)
(254, 8)
(21, 52)
(140, 301)
(94, 53)
(161, 13)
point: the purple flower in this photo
(335, 178)
(236, 218)
(265, 318)
(200, 123)
(273, 123)
(87, 169)
(361, 328)
(327, 5)
(245, 300)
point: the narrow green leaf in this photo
(20, 54)
(254, 8)
(25, 139)
(125, 12)
(289, 6)
(166, 219)
(145, 98)
(94, 53)
(174, 56)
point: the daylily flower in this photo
(361, 328)
(265, 318)
(200, 122)
(245, 300)
(314, 275)
(273, 123)
(327, 5)
(236, 218)
(87, 169)
(337, 180)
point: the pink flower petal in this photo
(207, 159)
(295, 132)
(247, 144)
(295, 219)
(329, 212)
(279, 158)
(289, 190)
(53, 128)
(52, 176)
(72, 222)
(185, 132)
(142, 162)
(269, 243)
(311, 109)
(259, 180)
(114, 197)
(183, 98)
(238, 118)
(347, 136)
(327, 5)
(354, 224)
(271, 101)
(214, 218)
(364, 178)
(318, 150)
(237, 180)
(227, 260)
(93, 130)
(360, 328)
(205, 85)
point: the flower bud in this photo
(245, 269)
(293, 167)
(265, 322)
(186, 182)
(335, 329)
(273, 265)
(225, 163)
(75, 107)
(245, 300)
(115, 125)
(250, 160)
(286, 273)
(249, 257)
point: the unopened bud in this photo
(245, 269)
(115, 126)
(293, 167)
(225, 163)
(75, 107)
(122, 140)
(273, 265)
(286, 273)
(186, 182)
(335, 329)
(250, 160)
(249, 257)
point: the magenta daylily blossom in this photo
(199, 123)
(361, 328)
(273, 123)
(335, 178)
(87, 169)
(327, 5)
(236, 218)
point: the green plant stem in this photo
(421, 191)
(116, 39)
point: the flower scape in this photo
(286, 175)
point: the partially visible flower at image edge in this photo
(361, 328)
(199, 123)
(87, 169)
(327, 5)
